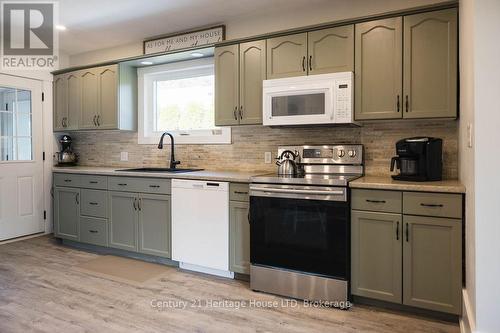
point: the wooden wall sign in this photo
(185, 40)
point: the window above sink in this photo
(179, 98)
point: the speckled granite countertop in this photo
(227, 176)
(387, 183)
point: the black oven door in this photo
(298, 234)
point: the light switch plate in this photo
(124, 156)
(469, 135)
(267, 157)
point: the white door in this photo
(21, 165)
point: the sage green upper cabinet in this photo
(287, 56)
(378, 69)
(60, 102)
(108, 98)
(252, 73)
(155, 224)
(66, 101)
(239, 237)
(96, 98)
(123, 220)
(90, 98)
(376, 252)
(226, 85)
(430, 65)
(331, 50)
(74, 100)
(66, 212)
(432, 262)
(239, 72)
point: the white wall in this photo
(466, 154)
(252, 25)
(487, 163)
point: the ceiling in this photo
(97, 24)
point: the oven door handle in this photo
(315, 192)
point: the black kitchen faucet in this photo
(173, 162)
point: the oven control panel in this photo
(327, 154)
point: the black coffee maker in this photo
(419, 159)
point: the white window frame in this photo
(146, 112)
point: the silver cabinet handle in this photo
(77, 198)
(135, 203)
(93, 203)
(139, 205)
(431, 205)
(93, 120)
(241, 111)
(310, 63)
(407, 232)
(397, 230)
(93, 231)
(234, 113)
(98, 120)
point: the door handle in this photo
(304, 63)
(135, 203)
(241, 111)
(98, 120)
(234, 113)
(77, 198)
(407, 103)
(397, 103)
(139, 204)
(407, 232)
(93, 120)
(397, 230)
(310, 63)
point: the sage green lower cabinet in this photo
(155, 225)
(376, 255)
(66, 212)
(94, 231)
(123, 220)
(239, 237)
(432, 263)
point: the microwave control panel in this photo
(343, 100)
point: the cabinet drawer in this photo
(95, 182)
(143, 185)
(432, 204)
(94, 231)
(238, 191)
(94, 203)
(67, 179)
(376, 200)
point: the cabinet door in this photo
(376, 255)
(252, 73)
(155, 225)
(90, 102)
(107, 117)
(432, 263)
(430, 64)
(287, 56)
(123, 220)
(60, 102)
(378, 69)
(66, 212)
(226, 85)
(331, 50)
(74, 100)
(239, 237)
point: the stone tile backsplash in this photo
(246, 153)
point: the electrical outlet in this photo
(267, 157)
(469, 135)
(124, 156)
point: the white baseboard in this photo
(12, 240)
(467, 320)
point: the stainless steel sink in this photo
(176, 170)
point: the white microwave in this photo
(308, 100)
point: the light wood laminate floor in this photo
(41, 291)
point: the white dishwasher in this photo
(200, 226)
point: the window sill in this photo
(191, 139)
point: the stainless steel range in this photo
(300, 224)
